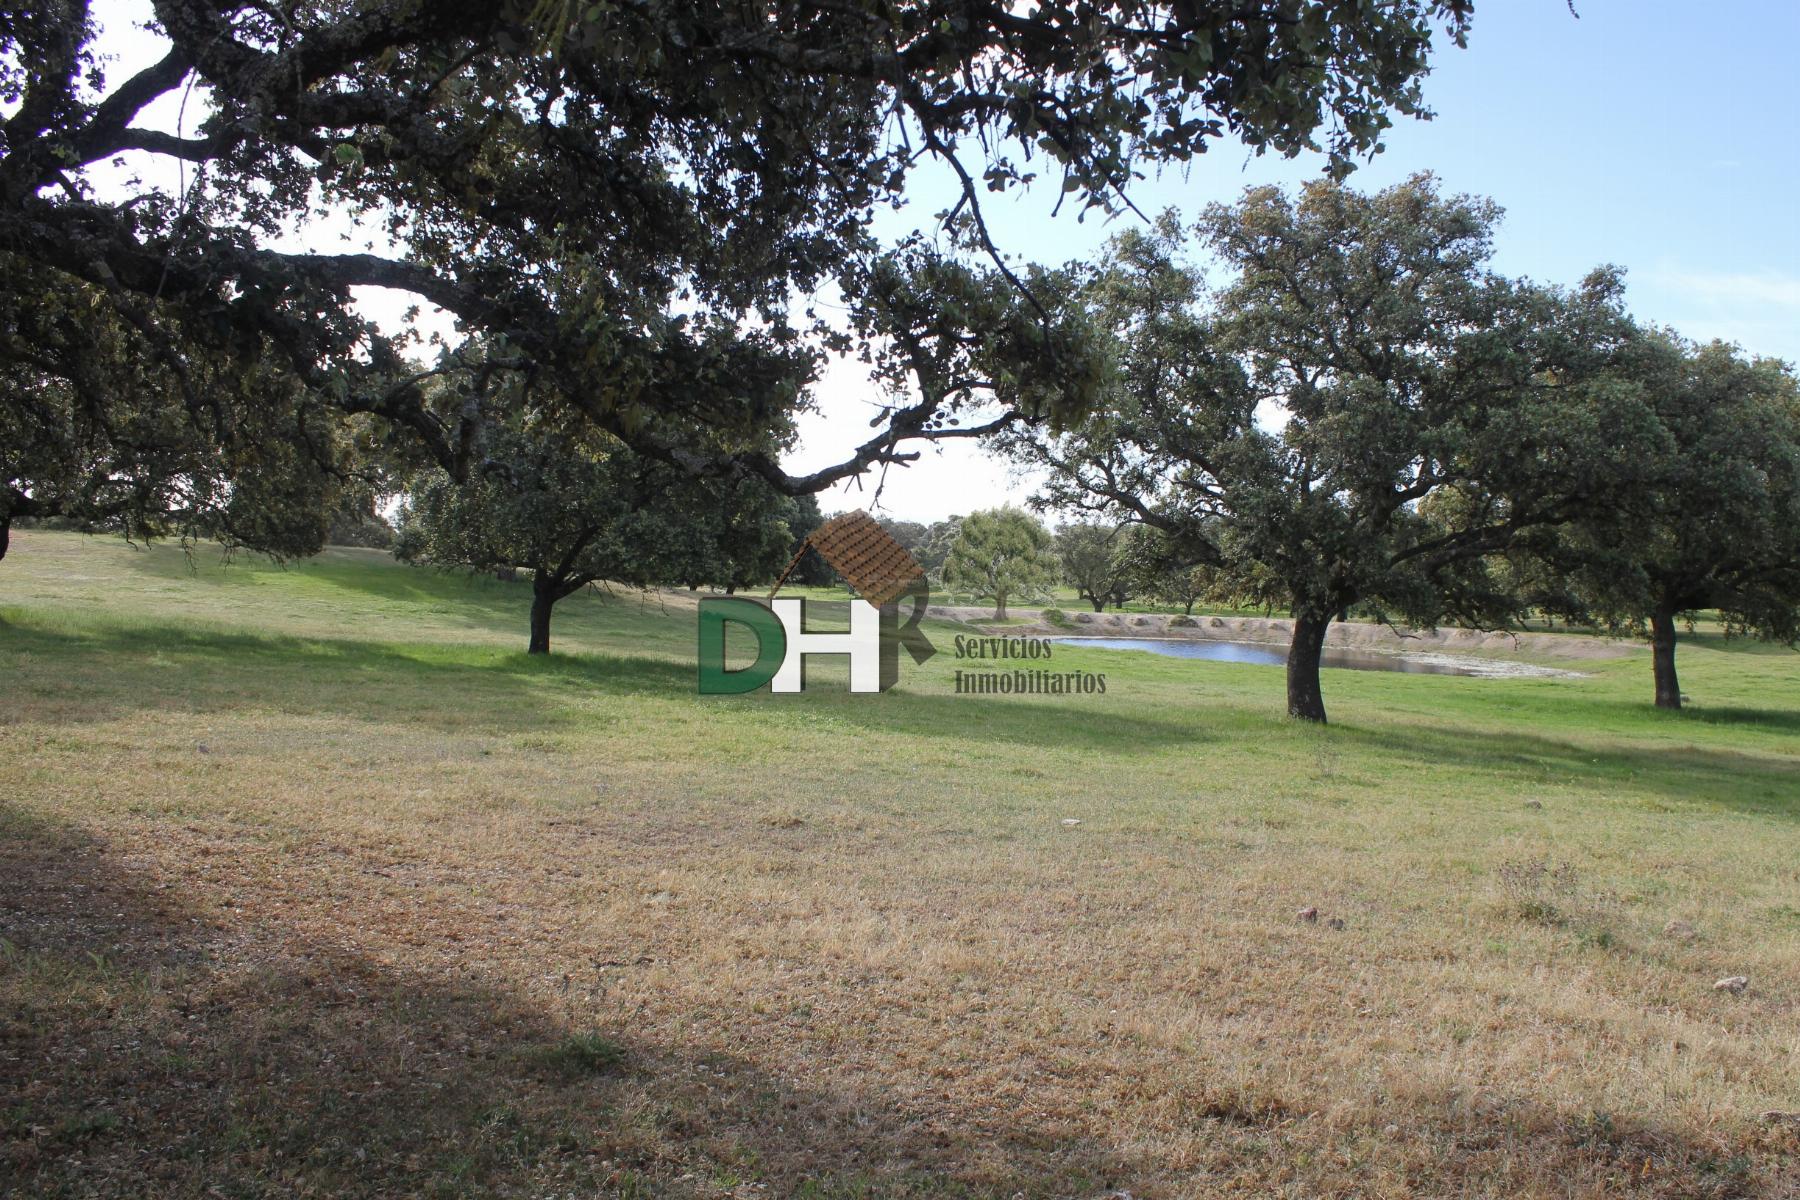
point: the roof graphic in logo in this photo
(876, 566)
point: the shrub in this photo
(1534, 886)
(584, 1054)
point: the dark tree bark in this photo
(5, 533)
(547, 588)
(1306, 702)
(1000, 607)
(543, 599)
(1099, 605)
(1662, 647)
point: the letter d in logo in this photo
(771, 646)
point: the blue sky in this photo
(1662, 137)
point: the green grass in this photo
(307, 875)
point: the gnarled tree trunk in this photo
(1662, 652)
(1305, 700)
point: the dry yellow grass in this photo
(309, 885)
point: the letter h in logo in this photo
(862, 644)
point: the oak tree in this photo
(1292, 430)
(574, 507)
(1095, 562)
(1000, 553)
(1713, 521)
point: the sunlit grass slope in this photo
(312, 883)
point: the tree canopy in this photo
(1157, 569)
(629, 197)
(1000, 553)
(1095, 560)
(97, 426)
(934, 548)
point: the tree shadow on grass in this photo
(1780, 720)
(157, 1040)
(105, 669)
(1709, 639)
(1716, 778)
(156, 1043)
(1635, 716)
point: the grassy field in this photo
(313, 884)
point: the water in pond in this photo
(1263, 654)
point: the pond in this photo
(1263, 654)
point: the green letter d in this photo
(771, 646)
